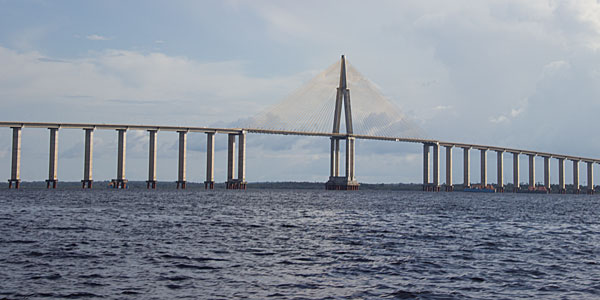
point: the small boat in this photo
(480, 189)
(535, 190)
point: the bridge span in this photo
(310, 111)
(431, 163)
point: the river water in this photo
(283, 244)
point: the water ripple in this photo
(297, 245)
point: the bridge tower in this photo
(348, 181)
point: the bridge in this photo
(376, 119)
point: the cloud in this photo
(119, 86)
(95, 37)
(499, 119)
(514, 112)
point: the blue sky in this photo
(512, 73)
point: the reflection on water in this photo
(297, 244)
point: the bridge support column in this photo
(15, 169)
(350, 158)
(348, 181)
(87, 158)
(547, 173)
(151, 182)
(436, 167)
(449, 186)
(500, 171)
(53, 159)
(210, 161)
(516, 180)
(576, 187)
(240, 181)
(230, 160)
(483, 167)
(336, 155)
(590, 177)
(332, 158)
(426, 167)
(181, 180)
(467, 167)
(120, 181)
(531, 171)
(561, 176)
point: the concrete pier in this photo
(576, 186)
(483, 167)
(590, 177)
(151, 182)
(449, 186)
(350, 158)
(500, 171)
(531, 171)
(426, 156)
(547, 173)
(336, 156)
(209, 183)
(516, 180)
(348, 181)
(15, 169)
(120, 181)
(467, 167)
(53, 159)
(230, 158)
(87, 158)
(181, 180)
(436, 167)
(241, 179)
(561, 176)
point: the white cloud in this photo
(443, 107)
(516, 111)
(153, 85)
(95, 37)
(499, 119)
(554, 67)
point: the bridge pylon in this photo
(342, 100)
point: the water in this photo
(297, 245)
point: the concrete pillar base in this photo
(17, 183)
(341, 187)
(562, 191)
(590, 192)
(119, 183)
(516, 190)
(500, 189)
(341, 183)
(86, 182)
(576, 191)
(209, 185)
(181, 183)
(51, 182)
(449, 188)
(151, 184)
(431, 188)
(235, 185)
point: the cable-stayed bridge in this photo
(323, 107)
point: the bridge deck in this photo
(284, 132)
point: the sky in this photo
(520, 74)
